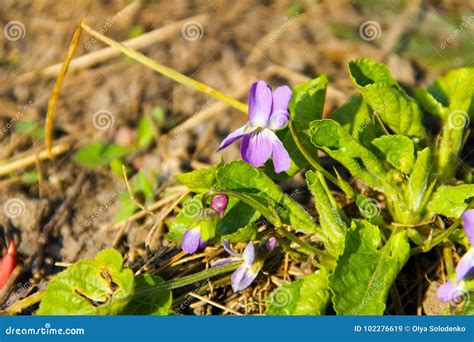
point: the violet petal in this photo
(468, 222)
(221, 262)
(202, 244)
(191, 240)
(228, 248)
(260, 104)
(448, 292)
(279, 116)
(232, 137)
(280, 156)
(242, 278)
(249, 253)
(256, 148)
(465, 265)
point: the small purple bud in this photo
(272, 243)
(219, 203)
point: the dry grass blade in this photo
(30, 159)
(166, 71)
(57, 87)
(104, 54)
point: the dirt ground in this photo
(68, 212)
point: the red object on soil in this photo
(7, 264)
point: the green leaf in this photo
(356, 119)
(396, 109)
(451, 201)
(146, 300)
(190, 212)
(158, 115)
(419, 180)
(365, 272)
(135, 31)
(243, 234)
(344, 185)
(100, 154)
(325, 133)
(26, 126)
(97, 286)
(333, 227)
(362, 163)
(365, 71)
(146, 132)
(199, 180)
(398, 150)
(145, 185)
(306, 105)
(116, 167)
(30, 177)
(127, 207)
(306, 296)
(111, 257)
(429, 103)
(450, 97)
(369, 208)
(238, 224)
(243, 178)
(207, 224)
(454, 90)
(30, 127)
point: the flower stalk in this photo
(196, 277)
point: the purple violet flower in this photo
(245, 274)
(268, 112)
(192, 241)
(450, 291)
(272, 243)
(219, 204)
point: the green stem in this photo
(448, 259)
(268, 212)
(273, 217)
(310, 159)
(449, 147)
(168, 72)
(333, 201)
(437, 239)
(305, 246)
(23, 303)
(194, 278)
